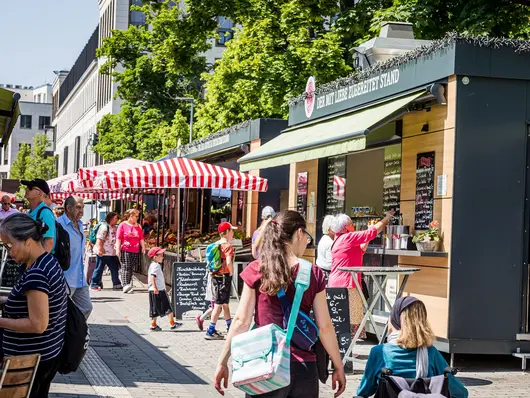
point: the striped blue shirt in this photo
(46, 276)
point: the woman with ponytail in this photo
(285, 239)
(34, 316)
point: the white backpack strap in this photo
(436, 384)
(304, 274)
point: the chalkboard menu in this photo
(339, 309)
(301, 194)
(424, 190)
(392, 182)
(189, 288)
(10, 271)
(336, 185)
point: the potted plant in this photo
(427, 241)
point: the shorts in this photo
(159, 304)
(221, 287)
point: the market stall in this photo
(439, 133)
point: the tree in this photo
(19, 166)
(40, 164)
(267, 62)
(153, 64)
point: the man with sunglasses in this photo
(6, 209)
(36, 191)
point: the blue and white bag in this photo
(261, 358)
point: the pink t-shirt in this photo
(130, 237)
(346, 252)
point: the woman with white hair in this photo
(348, 251)
(324, 246)
(267, 214)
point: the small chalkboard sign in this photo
(189, 288)
(339, 310)
(10, 271)
(301, 194)
(424, 211)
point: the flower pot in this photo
(427, 246)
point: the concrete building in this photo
(35, 114)
(82, 96)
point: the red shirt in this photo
(268, 308)
(227, 250)
(346, 252)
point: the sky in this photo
(40, 36)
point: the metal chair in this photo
(17, 375)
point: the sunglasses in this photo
(6, 204)
(7, 246)
(309, 238)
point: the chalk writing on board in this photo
(10, 272)
(424, 209)
(189, 287)
(339, 309)
(336, 185)
(301, 193)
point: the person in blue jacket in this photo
(409, 352)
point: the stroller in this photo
(399, 387)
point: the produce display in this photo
(170, 240)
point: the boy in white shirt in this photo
(158, 299)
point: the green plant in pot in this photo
(427, 241)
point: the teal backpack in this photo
(213, 257)
(92, 237)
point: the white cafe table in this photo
(375, 273)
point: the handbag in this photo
(261, 358)
(306, 332)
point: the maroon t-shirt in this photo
(268, 308)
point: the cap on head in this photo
(37, 183)
(224, 226)
(155, 251)
(268, 212)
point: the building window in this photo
(25, 121)
(225, 30)
(77, 153)
(65, 160)
(3, 176)
(6, 154)
(43, 122)
(136, 18)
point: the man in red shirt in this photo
(222, 281)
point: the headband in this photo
(399, 306)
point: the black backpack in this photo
(76, 339)
(62, 243)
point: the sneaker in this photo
(176, 326)
(95, 288)
(214, 336)
(127, 288)
(117, 287)
(200, 323)
(156, 328)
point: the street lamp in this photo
(192, 101)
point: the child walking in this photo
(158, 299)
(222, 282)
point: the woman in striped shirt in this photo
(34, 316)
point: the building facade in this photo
(82, 96)
(35, 116)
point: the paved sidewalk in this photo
(126, 359)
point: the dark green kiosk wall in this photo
(489, 256)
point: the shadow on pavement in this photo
(134, 360)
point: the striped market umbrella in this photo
(181, 173)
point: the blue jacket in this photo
(402, 362)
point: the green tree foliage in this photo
(269, 61)
(153, 64)
(20, 165)
(40, 164)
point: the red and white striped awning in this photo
(91, 173)
(117, 195)
(181, 173)
(55, 184)
(339, 188)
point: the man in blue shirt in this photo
(36, 190)
(75, 275)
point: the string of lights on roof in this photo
(448, 40)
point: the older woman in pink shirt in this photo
(348, 251)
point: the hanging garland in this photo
(221, 133)
(448, 40)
